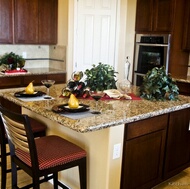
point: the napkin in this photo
(114, 93)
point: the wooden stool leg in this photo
(3, 166)
(82, 174)
(55, 180)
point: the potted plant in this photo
(101, 77)
(12, 61)
(157, 85)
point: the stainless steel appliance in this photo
(151, 50)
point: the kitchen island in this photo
(104, 136)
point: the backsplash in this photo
(39, 55)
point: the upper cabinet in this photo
(6, 30)
(36, 21)
(186, 36)
(154, 16)
(48, 16)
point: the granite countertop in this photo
(35, 71)
(114, 112)
(184, 79)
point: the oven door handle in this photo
(152, 45)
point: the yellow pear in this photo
(73, 102)
(30, 88)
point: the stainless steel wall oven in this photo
(151, 50)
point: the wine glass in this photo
(47, 83)
(125, 86)
(96, 95)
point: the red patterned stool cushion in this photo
(53, 151)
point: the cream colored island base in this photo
(103, 172)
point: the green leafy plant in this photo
(101, 77)
(157, 85)
(12, 61)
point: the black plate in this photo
(65, 108)
(23, 94)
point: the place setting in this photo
(30, 94)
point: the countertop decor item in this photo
(158, 85)
(101, 77)
(12, 61)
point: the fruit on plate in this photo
(30, 88)
(73, 102)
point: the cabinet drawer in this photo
(6, 82)
(184, 88)
(59, 78)
(36, 78)
(146, 126)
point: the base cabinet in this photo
(23, 81)
(155, 149)
(184, 88)
(143, 153)
(177, 155)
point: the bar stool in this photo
(38, 129)
(40, 156)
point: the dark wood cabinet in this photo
(154, 16)
(178, 142)
(184, 88)
(143, 153)
(186, 35)
(24, 80)
(48, 12)
(36, 22)
(26, 21)
(36, 78)
(6, 21)
(8, 82)
(155, 149)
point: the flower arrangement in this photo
(12, 61)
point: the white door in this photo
(95, 37)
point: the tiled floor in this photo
(180, 181)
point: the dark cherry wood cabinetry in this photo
(178, 142)
(48, 16)
(154, 16)
(26, 21)
(36, 21)
(171, 17)
(143, 153)
(6, 21)
(155, 149)
(186, 35)
(184, 88)
(22, 81)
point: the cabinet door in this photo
(163, 15)
(178, 143)
(144, 15)
(26, 21)
(186, 36)
(143, 153)
(6, 24)
(48, 21)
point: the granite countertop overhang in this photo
(114, 112)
